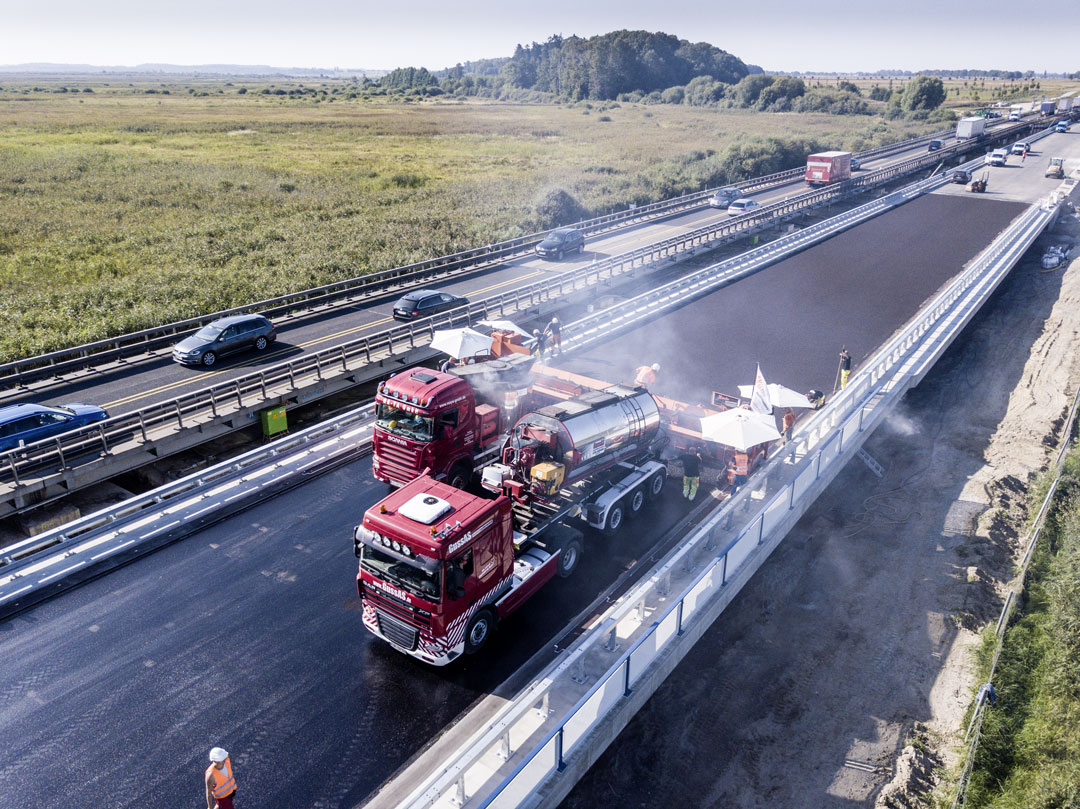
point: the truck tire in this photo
(460, 475)
(635, 501)
(478, 630)
(569, 557)
(655, 484)
(615, 517)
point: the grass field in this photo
(121, 209)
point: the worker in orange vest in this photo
(220, 784)
(646, 375)
(789, 422)
(738, 471)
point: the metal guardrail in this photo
(378, 283)
(43, 565)
(596, 680)
(974, 729)
(27, 466)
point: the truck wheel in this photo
(636, 501)
(478, 630)
(614, 518)
(655, 484)
(459, 476)
(569, 556)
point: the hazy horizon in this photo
(836, 36)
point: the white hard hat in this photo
(554, 320)
(656, 366)
(218, 754)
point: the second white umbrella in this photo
(739, 428)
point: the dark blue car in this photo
(27, 423)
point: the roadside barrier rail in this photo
(43, 565)
(37, 466)
(380, 283)
(533, 750)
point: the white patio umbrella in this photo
(503, 325)
(779, 396)
(460, 343)
(739, 428)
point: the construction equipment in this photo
(1056, 169)
(979, 185)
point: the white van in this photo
(998, 157)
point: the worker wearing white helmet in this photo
(220, 784)
(554, 335)
(646, 375)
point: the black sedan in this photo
(426, 302)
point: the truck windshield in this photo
(412, 578)
(406, 425)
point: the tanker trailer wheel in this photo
(614, 519)
(569, 557)
(478, 630)
(655, 484)
(636, 501)
(459, 476)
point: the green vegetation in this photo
(604, 66)
(120, 210)
(1029, 752)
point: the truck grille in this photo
(398, 463)
(396, 631)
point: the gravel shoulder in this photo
(843, 669)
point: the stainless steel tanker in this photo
(565, 442)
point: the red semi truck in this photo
(828, 167)
(452, 424)
(439, 567)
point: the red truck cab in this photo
(438, 567)
(425, 419)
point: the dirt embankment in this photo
(842, 673)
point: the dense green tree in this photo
(923, 93)
(616, 63)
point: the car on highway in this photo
(425, 303)
(934, 145)
(856, 164)
(741, 206)
(560, 242)
(26, 423)
(226, 335)
(1061, 126)
(1020, 147)
(724, 197)
(961, 176)
(1014, 116)
(998, 157)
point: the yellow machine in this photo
(1056, 169)
(979, 185)
(550, 474)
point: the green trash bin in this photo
(274, 421)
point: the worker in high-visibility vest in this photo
(646, 375)
(738, 471)
(220, 784)
(845, 367)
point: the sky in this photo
(786, 35)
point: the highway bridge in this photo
(333, 341)
(248, 633)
